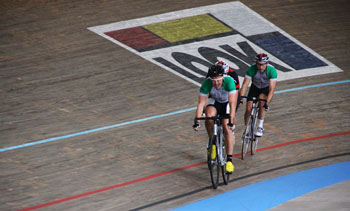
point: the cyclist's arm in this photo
(244, 86)
(232, 100)
(201, 103)
(271, 90)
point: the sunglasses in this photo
(217, 80)
(261, 64)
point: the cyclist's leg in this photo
(261, 116)
(229, 145)
(224, 110)
(262, 111)
(253, 92)
(229, 137)
(210, 111)
(248, 110)
(262, 95)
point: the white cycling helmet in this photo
(223, 64)
(262, 58)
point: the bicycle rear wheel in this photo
(213, 164)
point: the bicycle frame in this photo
(253, 115)
(249, 137)
(220, 161)
(220, 142)
(218, 132)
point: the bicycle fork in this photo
(215, 134)
(253, 116)
(249, 130)
(220, 147)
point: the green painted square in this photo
(187, 28)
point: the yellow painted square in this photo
(187, 28)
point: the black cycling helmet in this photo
(215, 71)
(263, 58)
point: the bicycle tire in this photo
(225, 177)
(254, 141)
(245, 146)
(254, 146)
(213, 165)
(246, 139)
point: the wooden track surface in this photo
(59, 78)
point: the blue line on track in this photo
(95, 130)
(272, 192)
(312, 86)
(146, 119)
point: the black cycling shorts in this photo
(221, 107)
(255, 91)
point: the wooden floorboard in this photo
(58, 78)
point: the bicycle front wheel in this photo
(254, 140)
(254, 145)
(245, 141)
(225, 177)
(213, 163)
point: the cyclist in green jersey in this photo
(222, 101)
(264, 78)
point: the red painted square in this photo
(136, 38)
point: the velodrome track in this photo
(90, 125)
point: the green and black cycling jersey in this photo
(220, 95)
(233, 75)
(261, 79)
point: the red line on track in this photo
(173, 171)
(306, 139)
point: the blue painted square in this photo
(286, 50)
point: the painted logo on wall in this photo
(187, 42)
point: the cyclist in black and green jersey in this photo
(264, 78)
(222, 101)
(230, 72)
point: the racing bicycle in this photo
(219, 163)
(249, 138)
